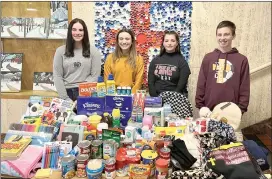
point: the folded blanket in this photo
(29, 160)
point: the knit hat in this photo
(259, 153)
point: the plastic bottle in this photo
(107, 119)
(116, 117)
(110, 85)
(101, 87)
(100, 127)
(128, 90)
(166, 110)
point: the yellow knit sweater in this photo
(124, 74)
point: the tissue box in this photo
(153, 102)
(124, 103)
(89, 105)
(125, 116)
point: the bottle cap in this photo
(100, 79)
(110, 77)
(106, 114)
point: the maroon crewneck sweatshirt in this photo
(223, 77)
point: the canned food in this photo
(82, 161)
(84, 147)
(96, 149)
(149, 157)
(165, 153)
(109, 148)
(110, 171)
(68, 166)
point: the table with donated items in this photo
(57, 175)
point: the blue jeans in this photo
(73, 93)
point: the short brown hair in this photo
(229, 24)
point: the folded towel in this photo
(29, 159)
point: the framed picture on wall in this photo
(59, 20)
(12, 27)
(36, 27)
(11, 72)
(43, 81)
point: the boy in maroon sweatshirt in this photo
(224, 73)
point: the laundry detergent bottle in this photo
(101, 87)
(110, 85)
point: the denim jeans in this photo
(72, 93)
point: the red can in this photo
(110, 168)
(165, 153)
(82, 161)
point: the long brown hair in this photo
(162, 51)
(132, 51)
(70, 43)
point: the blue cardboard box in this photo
(86, 105)
(124, 117)
(124, 103)
(153, 102)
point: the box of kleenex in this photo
(124, 103)
(153, 102)
(88, 105)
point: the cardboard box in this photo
(153, 102)
(88, 105)
(124, 103)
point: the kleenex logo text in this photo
(90, 105)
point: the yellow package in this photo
(139, 171)
(89, 135)
(176, 131)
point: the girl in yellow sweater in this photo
(126, 66)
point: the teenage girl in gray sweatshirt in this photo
(76, 62)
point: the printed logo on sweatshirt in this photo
(165, 71)
(224, 70)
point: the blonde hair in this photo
(132, 51)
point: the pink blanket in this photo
(27, 162)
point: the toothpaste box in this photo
(124, 117)
(124, 103)
(153, 102)
(89, 105)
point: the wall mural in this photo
(46, 28)
(11, 72)
(148, 20)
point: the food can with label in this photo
(110, 170)
(109, 149)
(96, 149)
(149, 157)
(68, 166)
(85, 147)
(82, 161)
(164, 153)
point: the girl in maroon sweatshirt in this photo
(224, 73)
